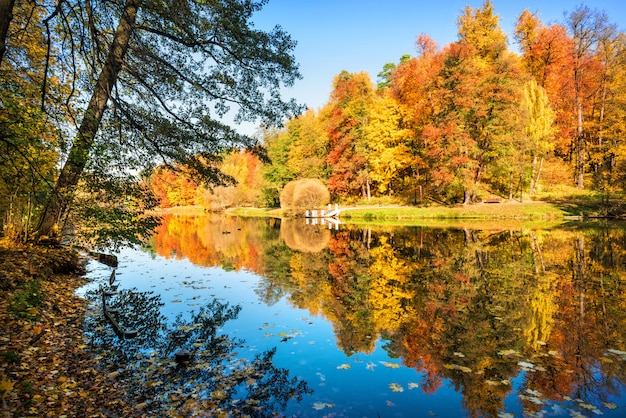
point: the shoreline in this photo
(46, 367)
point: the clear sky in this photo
(363, 35)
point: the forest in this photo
(453, 124)
(96, 129)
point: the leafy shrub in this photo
(309, 194)
(286, 196)
(304, 194)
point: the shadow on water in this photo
(187, 366)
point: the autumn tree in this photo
(245, 169)
(389, 143)
(606, 125)
(309, 146)
(29, 136)
(546, 57)
(159, 78)
(471, 135)
(411, 87)
(587, 28)
(481, 29)
(539, 129)
(348, 149)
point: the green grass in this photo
(255, 212)
(26, 300)
(540, 210)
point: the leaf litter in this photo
(46, 369)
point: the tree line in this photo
(471, 120)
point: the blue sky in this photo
(363, 35)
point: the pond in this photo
(378, 321)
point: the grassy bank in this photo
(410, 214)
(513, 210)
(554, 210)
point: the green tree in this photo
(277, 172)
(159, 85)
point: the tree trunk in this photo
(535, 179)
(580, 144)
(59, 201)
(6, 15)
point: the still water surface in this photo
(377, 321)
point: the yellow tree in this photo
(309, 146)
(539, 128)
(608, 119)
(29, 139)
(388, 141)
(480, 28)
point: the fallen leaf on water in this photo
(526, 365)
(344, 366)
(507, 352)
(413, 385)
(396, 387)
(533, 392)
(390, 365)
(452, 366)
(318, 406)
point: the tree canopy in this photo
(150, 82)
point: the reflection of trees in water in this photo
(302, 237)
(214, 382)
(448, 301)
(478, 307)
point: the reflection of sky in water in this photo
(306, 344)
(357, 385)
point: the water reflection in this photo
(209, 379)
(516, 317)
